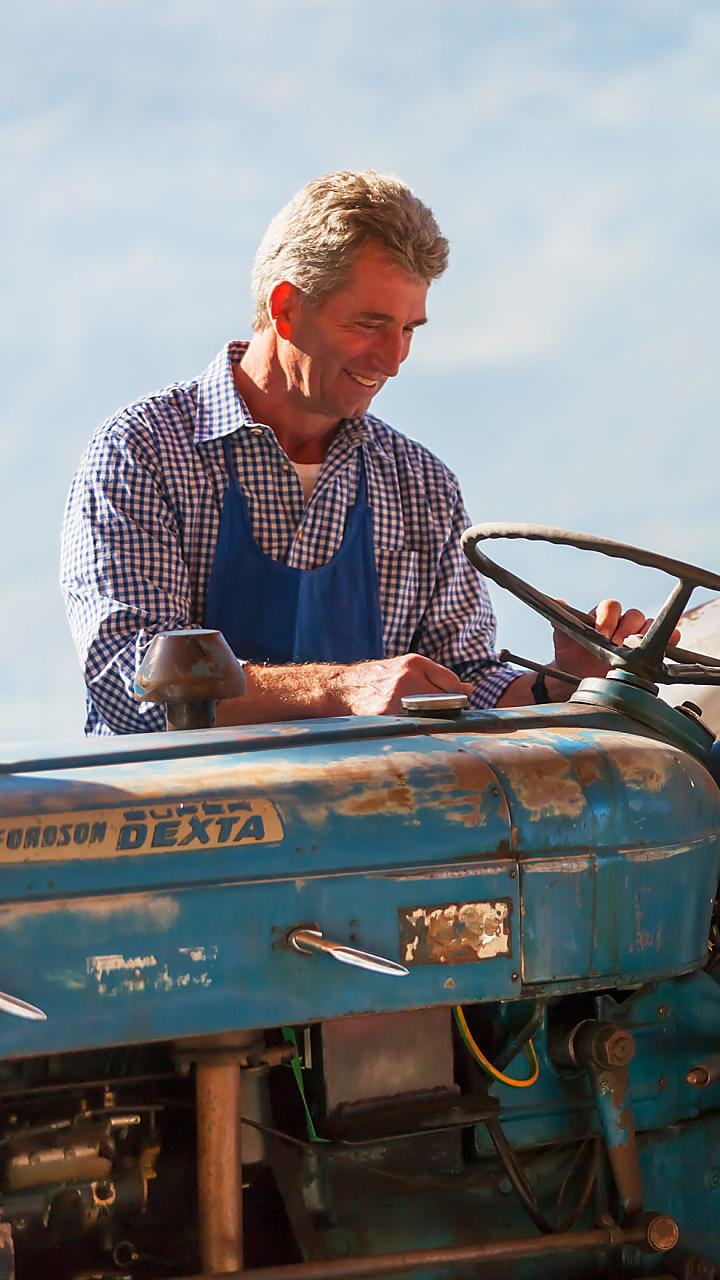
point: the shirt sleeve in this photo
(458, 626)
(122, 574)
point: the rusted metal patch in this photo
(189, 826)
(558, 866)
(450, 872)
(546, 784)
(660, 853)
(455, 932)
(393, 796)
(7, 1252)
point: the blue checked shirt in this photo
(142, 520)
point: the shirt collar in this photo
(220, 410)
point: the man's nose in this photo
(390, 351)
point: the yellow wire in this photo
(498, 1075)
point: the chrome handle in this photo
(312, 940)
(20, 1009)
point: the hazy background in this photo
(570, 152)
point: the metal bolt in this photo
(662, 1011)
(514, 977)
(691, 709)
(699, 1269)
(611, 1227)
(613, 1047)
(662, 1233)
(698, 1077)
(662, 1082)
(512, 874)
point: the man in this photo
(264, 499)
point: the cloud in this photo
(531, 299)
(569, 150)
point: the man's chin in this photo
(360, 403)
(351, 404)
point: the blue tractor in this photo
(433, 995)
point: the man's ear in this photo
(282, 308)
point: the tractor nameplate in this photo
(189, 826)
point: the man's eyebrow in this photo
(382, 315)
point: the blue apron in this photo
(271, 612)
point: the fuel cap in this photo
(442, 705)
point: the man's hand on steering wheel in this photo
(570, 656)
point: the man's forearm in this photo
(316, 689)
(285, 693)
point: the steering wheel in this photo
(646, 659)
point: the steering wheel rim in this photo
(645, 660)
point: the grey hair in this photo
(314, 240)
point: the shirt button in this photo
(256, 431)
(298, 536)
(285, 466)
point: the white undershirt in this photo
(308, 473)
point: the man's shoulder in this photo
(410, 456)
(164, 417)
(180, 414)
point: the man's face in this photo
(341, 353)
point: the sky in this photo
(569, 150)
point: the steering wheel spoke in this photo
(646, 658)
(655, 641)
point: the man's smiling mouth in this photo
(364, 382)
